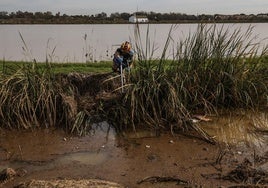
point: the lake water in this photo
(71, 43)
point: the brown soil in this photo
(45, 157)
(164, 161)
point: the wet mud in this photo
(139, 159)
(143, 159)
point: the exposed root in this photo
(246, 173)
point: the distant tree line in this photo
(48, 17)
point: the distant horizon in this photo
(140, 11)
(92, 7)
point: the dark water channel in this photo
(51, 153)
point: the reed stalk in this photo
(212, 68)
(31, 97)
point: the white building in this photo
(140, 19)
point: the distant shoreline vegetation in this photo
(48, 17)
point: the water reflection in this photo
(240, 127)
(84, 158)
(48, 149)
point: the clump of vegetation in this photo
(221, 69)
(31, 97)
(213, 68)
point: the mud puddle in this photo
(79, 158)
(142, 159)
(245, 128)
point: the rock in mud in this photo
(7, 174)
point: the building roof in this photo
(139, 16)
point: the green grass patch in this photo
(96, 67)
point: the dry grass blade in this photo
(31, 97)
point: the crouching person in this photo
(123, 56)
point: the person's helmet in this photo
(126, 46)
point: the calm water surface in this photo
(71, 43)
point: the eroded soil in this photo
(142, 159)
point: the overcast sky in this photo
(89, 7)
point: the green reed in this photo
(32, 97)
(221, 69)
(212, 68)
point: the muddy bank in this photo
(133, 160)
(141, 159)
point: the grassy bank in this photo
(98, 67)
(210, 70)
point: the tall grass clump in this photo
(31, 97)
(220, 68)
(212, 68)
(152, 93)
(151, 98)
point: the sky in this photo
(92, 7)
